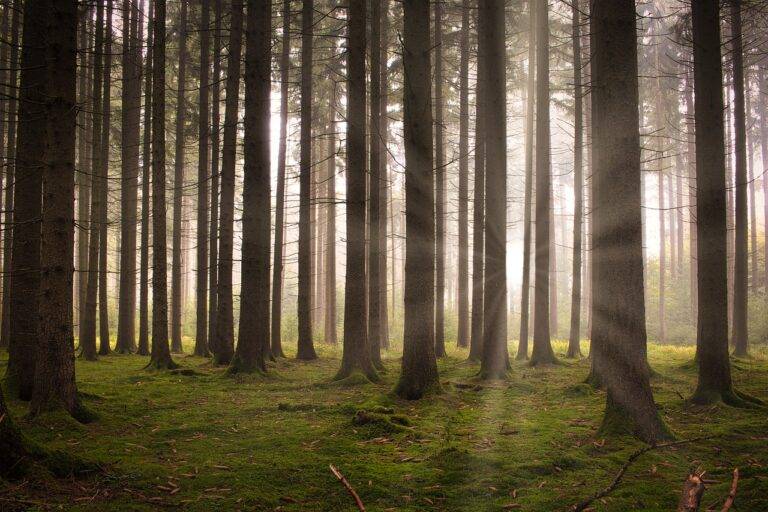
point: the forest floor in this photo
(207, 441)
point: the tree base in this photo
(353, 378)
(730, 397)
(549, 360)
(521, 356)
(161, 364)
(413, 390)
(616, 422)
(574, 352)
(240, 366)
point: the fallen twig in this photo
(732, 495)
(632, 458)
(349, 488)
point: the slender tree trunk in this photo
(385, 214)
(662, 233)
(4, 67)
(618, 332)
(145, 193)
(201, 283)
(178, 187)
(225, 337)
(753, 251)
(357, 353)
(739, 334)
(306, 349)
(439, 187)
(495, 359)
(213, 265)
(574, 339)
(764, 159)
(330, 234)
(253, 345)
(542, 347)
(161, 353)
(691, 170)
(525, 291)
(419, 365)
(463, 291)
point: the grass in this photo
(209, 441)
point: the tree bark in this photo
(330, 233)
(439, 187)
(306, 349)
(213, 265)
(225, 337)
(764, 153)
(462, 337)
(419, 365)
(618, 331)
(356, 356)
(385, 213)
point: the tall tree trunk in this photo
(201, 283)
(542, 347)
(129, 146)
(253, 345)
(439, 187)
(145, 192)
(5, 17)
(330, 234)
(753, 251)
(764, 154)
(277, 266)
(225, 337)
(161, 353)
(374, 189)
(462, 336)
(478, 213)
(419, 365)
(213, 265)
(574, 338)
(386, 189)
(55, 369)
(356, 355)
(178, 186)
(618, 332)
(530, 100)
(306, 349)
(739, 334)
(495, 360)
(691, 170)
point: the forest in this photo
(384, 255)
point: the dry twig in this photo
(349, 488)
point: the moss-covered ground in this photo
(205, 441)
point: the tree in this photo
(542, 352)
(618, 323)
(306, 349)
(385, 214)
(419, 366)
(356, 356)
(495, 360)
(574, 348)
(201, 283)
(253, 345)
(129, 146)
(213, 265)
(277, 266)
(439, 187)
(764, 153)
(330, 233)
(739, 334)
(530, 101)
(161, 353)
(462, 336)
(224, 347)
(178, 185)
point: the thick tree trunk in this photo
(439, 187)
(739, 334)
(356, 356)
(495, 359)
(462, 336)
(161, 353)
(618, 332)
(225, 337)
(213, 265)
(201, 282)
(306, 349)
(419, 365)
(178, 187)
(542, 347)
(374, 189)
(277, 267)
(330, 233)
(253, 344)
(145, 193)
(574, 338)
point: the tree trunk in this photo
(277, 267)
(253, 345)
(225, 337)
(306, 349)
(462, 337)
(753, 250)
(495, 359)
(145, 193)
(419, 365)
(542, 347)
(356, 355)
(739, 334)
(330, 234)
(178, 187)
(201, 283)
(385, 214)
(764, 153)
(691, 171)
(439, 187)
(618, 332)
(161, 354)
(574, 338)
(213, 265)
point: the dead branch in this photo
(349, 488)
(732, 495)
(693, 490)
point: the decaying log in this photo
(693, 490)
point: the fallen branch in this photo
(732, 495)
(632, 458)
(693, 490)
(349, 488)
